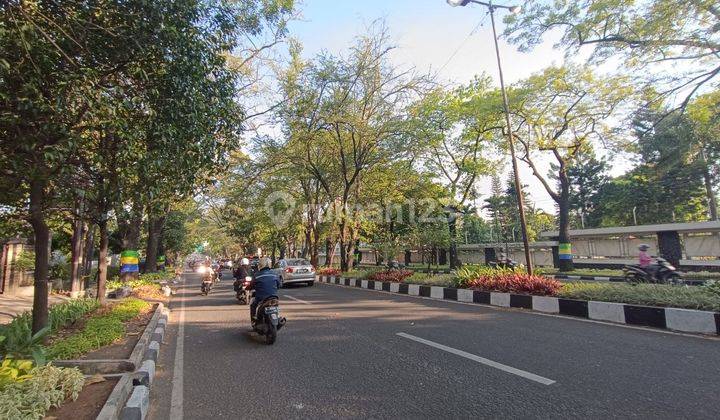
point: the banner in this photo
(565, 251)
(129, 262)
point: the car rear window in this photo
(298, 262)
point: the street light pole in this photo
(518, 187)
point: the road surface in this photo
(352, 353)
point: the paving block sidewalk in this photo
(10, 306)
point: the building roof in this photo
(694, 227)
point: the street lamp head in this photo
(514, 9)
(455, 3)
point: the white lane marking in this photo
(297, 300)
(176, 397)
(484, 361)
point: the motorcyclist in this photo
(265, 283)
(241, 272)
(645, 261)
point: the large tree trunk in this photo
(712, 200)
(102, 259)
(155, 224)
(329, 252)
(89, 249)
(42, 253)
(77, 251)
(564, 244)
(452, 228)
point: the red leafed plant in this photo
(328, 271)
(391, 275)
(516, 283)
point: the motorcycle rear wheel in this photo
(633, 278)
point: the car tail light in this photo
(289, 270)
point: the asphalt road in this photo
(340, 355)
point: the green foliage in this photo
(713, 287)
(47, 387)
(647, 35)
(25, 261)
(13, 370)
(644, 294)
(428, 279)
(18, 341)
(469, 272)
(100, 330)
(145, 279)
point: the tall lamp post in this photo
(518, 187)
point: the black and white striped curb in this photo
(614, 279)
(130, 399)
(684, 320)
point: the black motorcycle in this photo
(662, 272)
(267, 320)
(206, 286)
(241, 292)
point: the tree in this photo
(455, 130)
(586, 175)
(351, 111)
(564, 110)
(704, 115)
(654, 38)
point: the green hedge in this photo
(644, 294)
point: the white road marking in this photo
(484, 361)
(297, 300)
(176, 397)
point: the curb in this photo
(130, 398)
(682, 320)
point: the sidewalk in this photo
(10, 306)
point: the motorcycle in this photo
(267, 319)
(662, 272)
(206, 286)
(241, 293)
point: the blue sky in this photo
(427, 33)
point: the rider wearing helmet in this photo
(265, 283)
(241, 272)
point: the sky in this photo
(431, 36)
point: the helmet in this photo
(264, 262)
(244, 261)
(643, 247)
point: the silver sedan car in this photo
(295, 270)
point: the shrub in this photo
(713, 287)
(444, 280)
(25, 261)
(644, 294)
(328, 271)
(469, 273)
(391, 275)
(515, 283)
(98, 331)
(18, 340)
(47, 387)
(14, 371)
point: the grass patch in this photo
(644, 294)
(101, 329)
(606, 272)
(427, 279)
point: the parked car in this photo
(295, 270)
